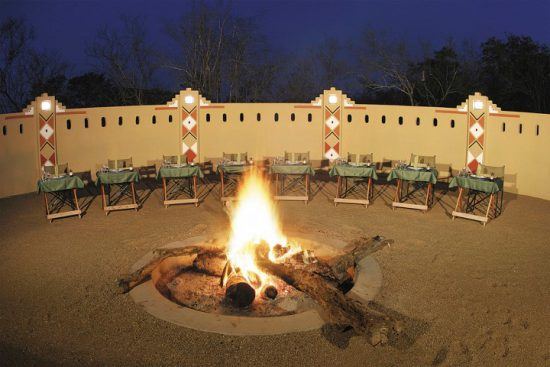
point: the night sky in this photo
(68, 26)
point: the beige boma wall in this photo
(329, 126)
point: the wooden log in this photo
(358, 249)
(337, 308)
(212, 263)
(128, 282)
(239, 292)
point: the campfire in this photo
(257, 268)
(254, 227)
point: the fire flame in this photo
(253, 221)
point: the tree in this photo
(221, 54)
(45, 72)
(90, 90)
(126, 58)
(440, 77)
(15, 37)
(385, 65)
(516, 73)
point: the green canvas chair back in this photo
(422, 160)
(174, 159)
(236, 157)
(296, 157)
(58, 169)
(495, 171)
(119, 163)
(361, 158)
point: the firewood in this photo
(128, 282)
(239, 292)
(211, 263)
(337, 308)
(343, 266)
(270, 292)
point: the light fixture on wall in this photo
(332, 99)
(189, 99)
(46, 105)
(478, 105)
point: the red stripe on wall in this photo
(503, 115)
(18, 117)
(451, 111)
(306, 106)
(355, 108)
(212, 107)
(166, 108)
(73, 113)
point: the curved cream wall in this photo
(526, 155)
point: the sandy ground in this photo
(480, 296)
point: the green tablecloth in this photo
(347, 170)
(59, 184)
(180, 172)
(234, 168)
(478, 184)
(414, 175)
(292, 169)
(107, 178)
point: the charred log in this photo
(322, 286)
(270, 292)
(239, 292)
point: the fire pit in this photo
(206, 309)
(256, 280)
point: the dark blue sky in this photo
(68, 26)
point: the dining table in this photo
(474, 190)
(178, 180)
(124, 181)
(62, 191)
(296, 173)
(417, 177)
(361, 175)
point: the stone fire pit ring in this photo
(368, 280)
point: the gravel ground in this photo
(480, 294)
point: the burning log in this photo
(320, 282)
(239, 292)
(270, 292)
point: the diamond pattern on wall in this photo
(476, 137)
(47, 143)
(46, 131)
(332, 133)
(189, 132)
(476, 130)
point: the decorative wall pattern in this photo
(48, 156)
(332, 112)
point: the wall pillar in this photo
(188, 103)
(332, 117)
(45, 109)
(479, 109)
